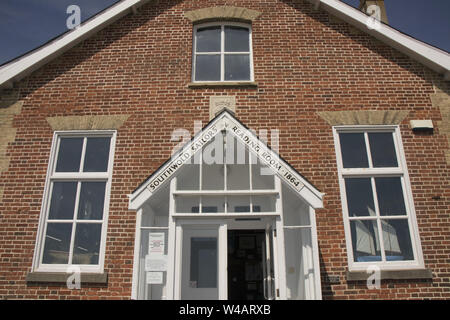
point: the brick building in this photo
(226, 150)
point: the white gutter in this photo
(434, 58)
(18, 69)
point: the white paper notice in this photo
(156, 243)
(155, 263)
(154, 277)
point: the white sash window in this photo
(72, 229)
(222, 52)
(379, 216)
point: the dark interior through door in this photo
(245, 264)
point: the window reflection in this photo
(397, 240)
(97, 155)
(353, 149)
(359, 197)
(87, 243)
(92, 200)
(382, 149)
(390, 196)
(57, 243)
(222, 53)
(69, 155)
(366, 245)
(62, 205)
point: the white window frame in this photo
(222, 50)
(38, 266)
(400, 171)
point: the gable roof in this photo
(226, 121)
(434, 58)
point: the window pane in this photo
(382, 149)
(159, 215)
(189, 177)
(204, 262)
(390, 196)
(238, 170)
(237, 204)
(97, 155)
(353, 148)
(62, 205)
(238, 177)
(208, 39)
(87, 243)
(262, 176)
(264, 203)
(359, 197)
(57, 243)
(366, 245)
(298, 243)
(295, 209)
(69, 155)
(187, 204)
(207, 67)
(212, 178)
(213, 204)
(213, 164)
(236, 39)
(397, 240)
(92, 198)
(237, 67)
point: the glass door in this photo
(202, 263)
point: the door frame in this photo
(222, 225)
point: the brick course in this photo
(305, 62)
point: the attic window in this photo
(222, 52)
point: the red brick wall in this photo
(304, 62)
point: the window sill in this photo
(194, 85)
(392, 274)
(60, 277)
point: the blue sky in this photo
(426, 20)
(27, 24)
